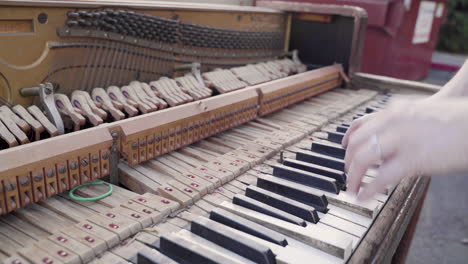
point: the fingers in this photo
(375, 149)
(389, 173)
(354, 126)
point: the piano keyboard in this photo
(270, 191)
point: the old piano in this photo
(215, 129)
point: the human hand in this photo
(407, 139)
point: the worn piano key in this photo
(119, 99)
(294, 191)
(22, 124)
(97, 244)
(37, 113)
(290, 206)
(109, 257)
(16, 259)
(61, 253)
(95, 230)
(239, 223)
(7, 136)
(335, 137)
(325, 148)
(255, 205)
(342, 129)
(84, 252)
(156, 202)
(174, 194)
(184, 251)
(319, 159)
(13, 127)
(80, 102)
(329, 240)
(38, 255)
(339, 176)
(223, 236)
(306, 178)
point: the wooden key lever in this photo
(26, 116)
(10, 124)
(100, 96)
(145, 107)
(66, 108)
(95, 107)
(81, 103)
(117, 97)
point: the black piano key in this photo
(306, 178)
(336, 137)
(346, 125)
(226, 218)
(227, 238)
(255, 205)
(342, 129)
(153, 257)
(185, 252)
(319, 159)
(328, 149)
(290, 206)
(339, 176)
(294, 191)
(370, 110)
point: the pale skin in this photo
(425, 137)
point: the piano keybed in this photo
(224, 181)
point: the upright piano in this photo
(156, 132)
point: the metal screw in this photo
(84, 162)
(105, 155)
(37, 177)
(50, 173)
(95, 159)
(74, 165)
(62, 169)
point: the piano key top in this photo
(290, 206)
(319, 159)
(153, 257)
(239, 223)
(342, 129)
(225, 237)
(306, 178)
(336, 137)
(212, 246)
(328, 149)
(255, 205)
(330, 240)
(294, 191)
(339, 176)
(184, 251)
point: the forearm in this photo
(457, 86)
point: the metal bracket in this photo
(114, 158)
(45, 92)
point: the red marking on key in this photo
(62, 239)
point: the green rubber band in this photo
(85, 199)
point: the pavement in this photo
(442, 232)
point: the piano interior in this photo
(216, 128)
